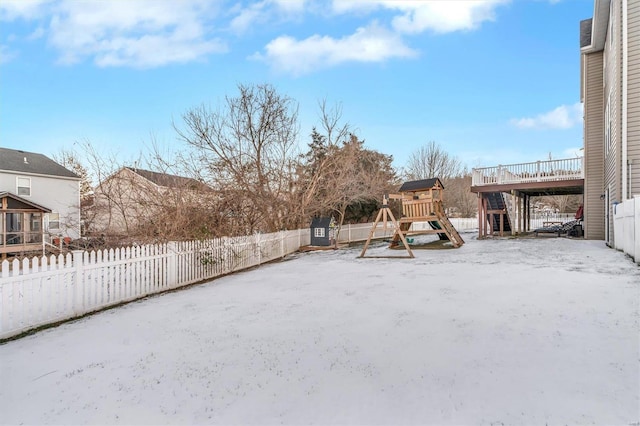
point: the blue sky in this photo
(493, 82)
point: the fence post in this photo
(78, 289)
(282, 243)
(259, 245)
(172, 264)
(636, 200)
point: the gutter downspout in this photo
(625, 62)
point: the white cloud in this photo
(248, 16)
(367, 44)
(562, 117)
(291, 6)
(259, 13)
(139, 33)
(434, 15)
(22, 9)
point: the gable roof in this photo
(167, 180)
(321, 222)
(15, 160)
(21, 200)
(597, 34)
(420, 185)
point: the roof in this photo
(24, 201)
(599, 24)
(321, 222)
(420, 185)
(15, 160)
(585, 32)
(167, 180)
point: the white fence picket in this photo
(55, 288)
(626, 227)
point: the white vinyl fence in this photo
(45, 290)
(626, 227)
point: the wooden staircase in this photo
(498, 212)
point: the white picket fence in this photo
(45, 290)
(626, 227)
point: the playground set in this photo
(421, 202)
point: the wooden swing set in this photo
(421, 202)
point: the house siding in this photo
(613, 99)
(633, 96)
(61, 195)
(594, 146)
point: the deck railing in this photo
(539, 171)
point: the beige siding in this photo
(633, 95)
(613, 99)
(594, 146)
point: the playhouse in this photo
(421, 202)
(323, 231)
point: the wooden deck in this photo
(521, 182)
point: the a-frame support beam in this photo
(384, 215)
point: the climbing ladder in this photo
(450, 231)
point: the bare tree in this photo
(345, 176)
(458, 199)
(431, 161)
(247, 148)
(319, 164)
(71, 161)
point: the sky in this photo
(492, 82)
(447, 338)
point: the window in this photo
(24, 186)
(54, 221)
(318, 232)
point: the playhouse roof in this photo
(420, 185)
(321, 222)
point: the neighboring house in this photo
(610, 91)
(132, 198)
(37, 192)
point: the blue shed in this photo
(323, 231)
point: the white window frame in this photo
(19, 185)
(318, 232)
(50, 220)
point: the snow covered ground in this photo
(507, 331)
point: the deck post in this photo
(480, 235)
